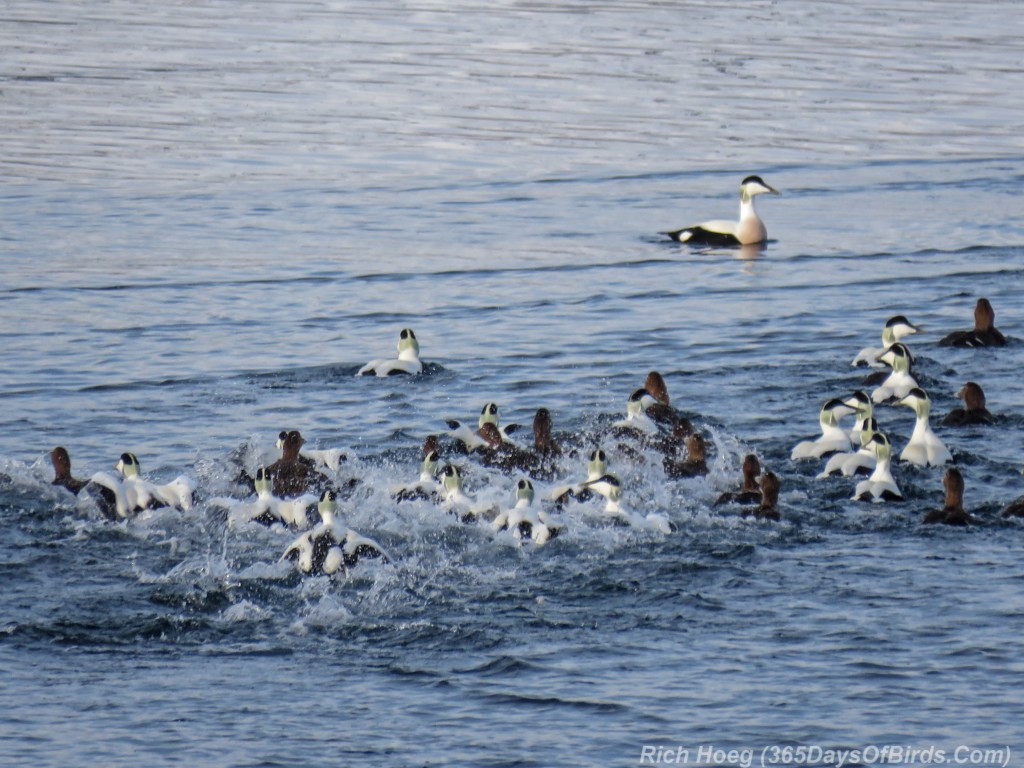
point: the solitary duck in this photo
(408, 361)
(984, 333)
(952, 512)
(974, 410)
(747, 231)
(925, 448)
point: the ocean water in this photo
(214, 213)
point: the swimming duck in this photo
(750, 489)
(544, 442)
(609, 486)
(1015, 508)
(142, 494)
(470, 438)
(489, 415)
(636, 413)
(900, 380)
(61, 461)
(925, 448)
(426, 486)
(861, 461)
(984, 333)
(952, 512)
(457, 501)
(694, 465)
(880, 486)
(331, 546)
(749, 229)
(974, 410)
(662, 411)
(597, 465)
(408, 361)
(524, 520)
(267, 508)
(293, 474)
(769, 507)
(328, 458)
(864, 409)
(896, 328)
(503, 454)
(833, 437)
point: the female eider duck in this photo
(984, 333)
(747, 231)
(61, 461)
(896, 328)
(294, 474)
(750, 489)
(952, 512)
(331, 546)
(925, 448)
(328, 458)
(880, 486)
(974, 410)
(833, 437)
(694, 465)
(769, 506)
(408, 361)
(662, 411)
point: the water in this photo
(214, 213)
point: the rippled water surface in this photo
(214, 213)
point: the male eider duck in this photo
(426, 486)
(526, 521)
(331, 546)
(851, 463)
(597, 466)
(896, 328)
(142, 494)
(864, 411)
(457, 501)
(880, 486)
(636, 413)
(952, 512)
(974, 410)
(750, 489)
(833, 437)
(747, 231)
(408, 361)
(925, 448)
(610, 487)
(900, 380)
(769, 506)
(984, 333)
(268, 509)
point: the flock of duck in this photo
(301, 489)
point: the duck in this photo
(768, 509)
(426, 486)
(925, 448)
(747, 231)
(880, 486)
(456, 501)
(61, 460)
(294, 474)
(896, 328)
(694, 465)
(470, 438)
(408, 361)
(328, 458)
(984, 333)
(900, 380)
(331, 546)
(610, 487)
(505, 455)
(864, 410)
(661, 410)
(267, 508)
(952, 512)
(850, 463)
(750, 488)
(833, 438)
(544, 442)
(1014, 509)
(525, 521)
(597, 466)
(489, 415)
(974, 410)
(142, 494)
(636, 413)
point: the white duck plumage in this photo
(850, 463)
(142, 494)
(524, 520)
(266, 508)
(331, 546)
(456, 501)
(328, 458)
(116, 487)
(636, 412)
(832, 438)
(864, 411)
(924, 448)
(900, 381)
(597, 465)
(608, 485)
(880, 486)
(408, 361)
(895, 328)
(425, 486)
(747, 231)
